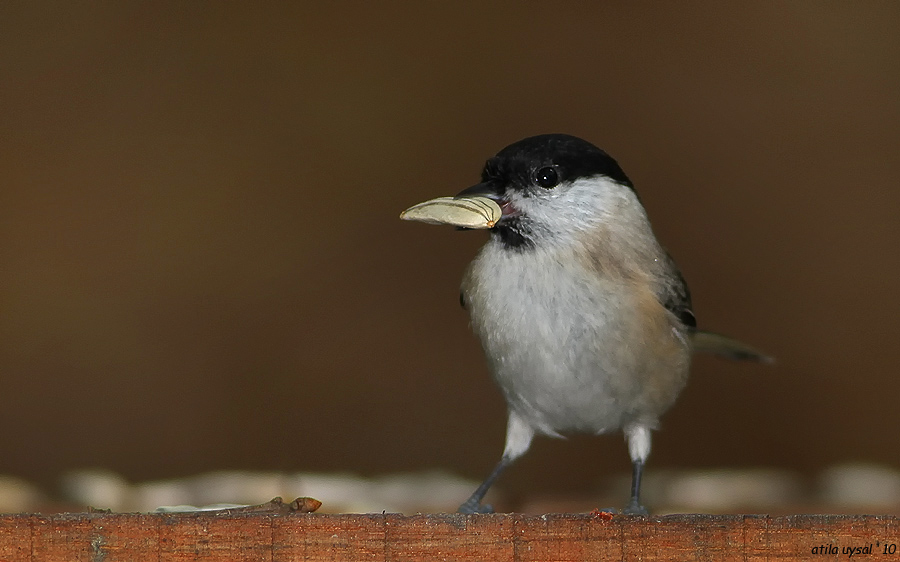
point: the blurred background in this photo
(202, 268)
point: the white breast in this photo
(568, 348)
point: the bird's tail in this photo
(708, 342)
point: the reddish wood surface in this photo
(238, 536)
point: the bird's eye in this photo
(547, 177)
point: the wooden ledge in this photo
(288, 536)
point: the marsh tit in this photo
(583, 316)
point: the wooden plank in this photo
(290, 536)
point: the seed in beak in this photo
(465, 212)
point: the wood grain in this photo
(282, 536)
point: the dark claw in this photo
(471, 507)
(634, 508)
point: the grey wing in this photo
(674, 294)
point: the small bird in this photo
(583, 316)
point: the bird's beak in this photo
(489, 190)
(479, 207)
(484, 189)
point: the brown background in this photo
(202, 265)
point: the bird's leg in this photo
(473, 504)
(518, 439)
(634, 506)
(638, 437)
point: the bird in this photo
(584, 318)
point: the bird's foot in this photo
(473, 506)
(634, 508)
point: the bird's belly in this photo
(564, 384)
(573, 357)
